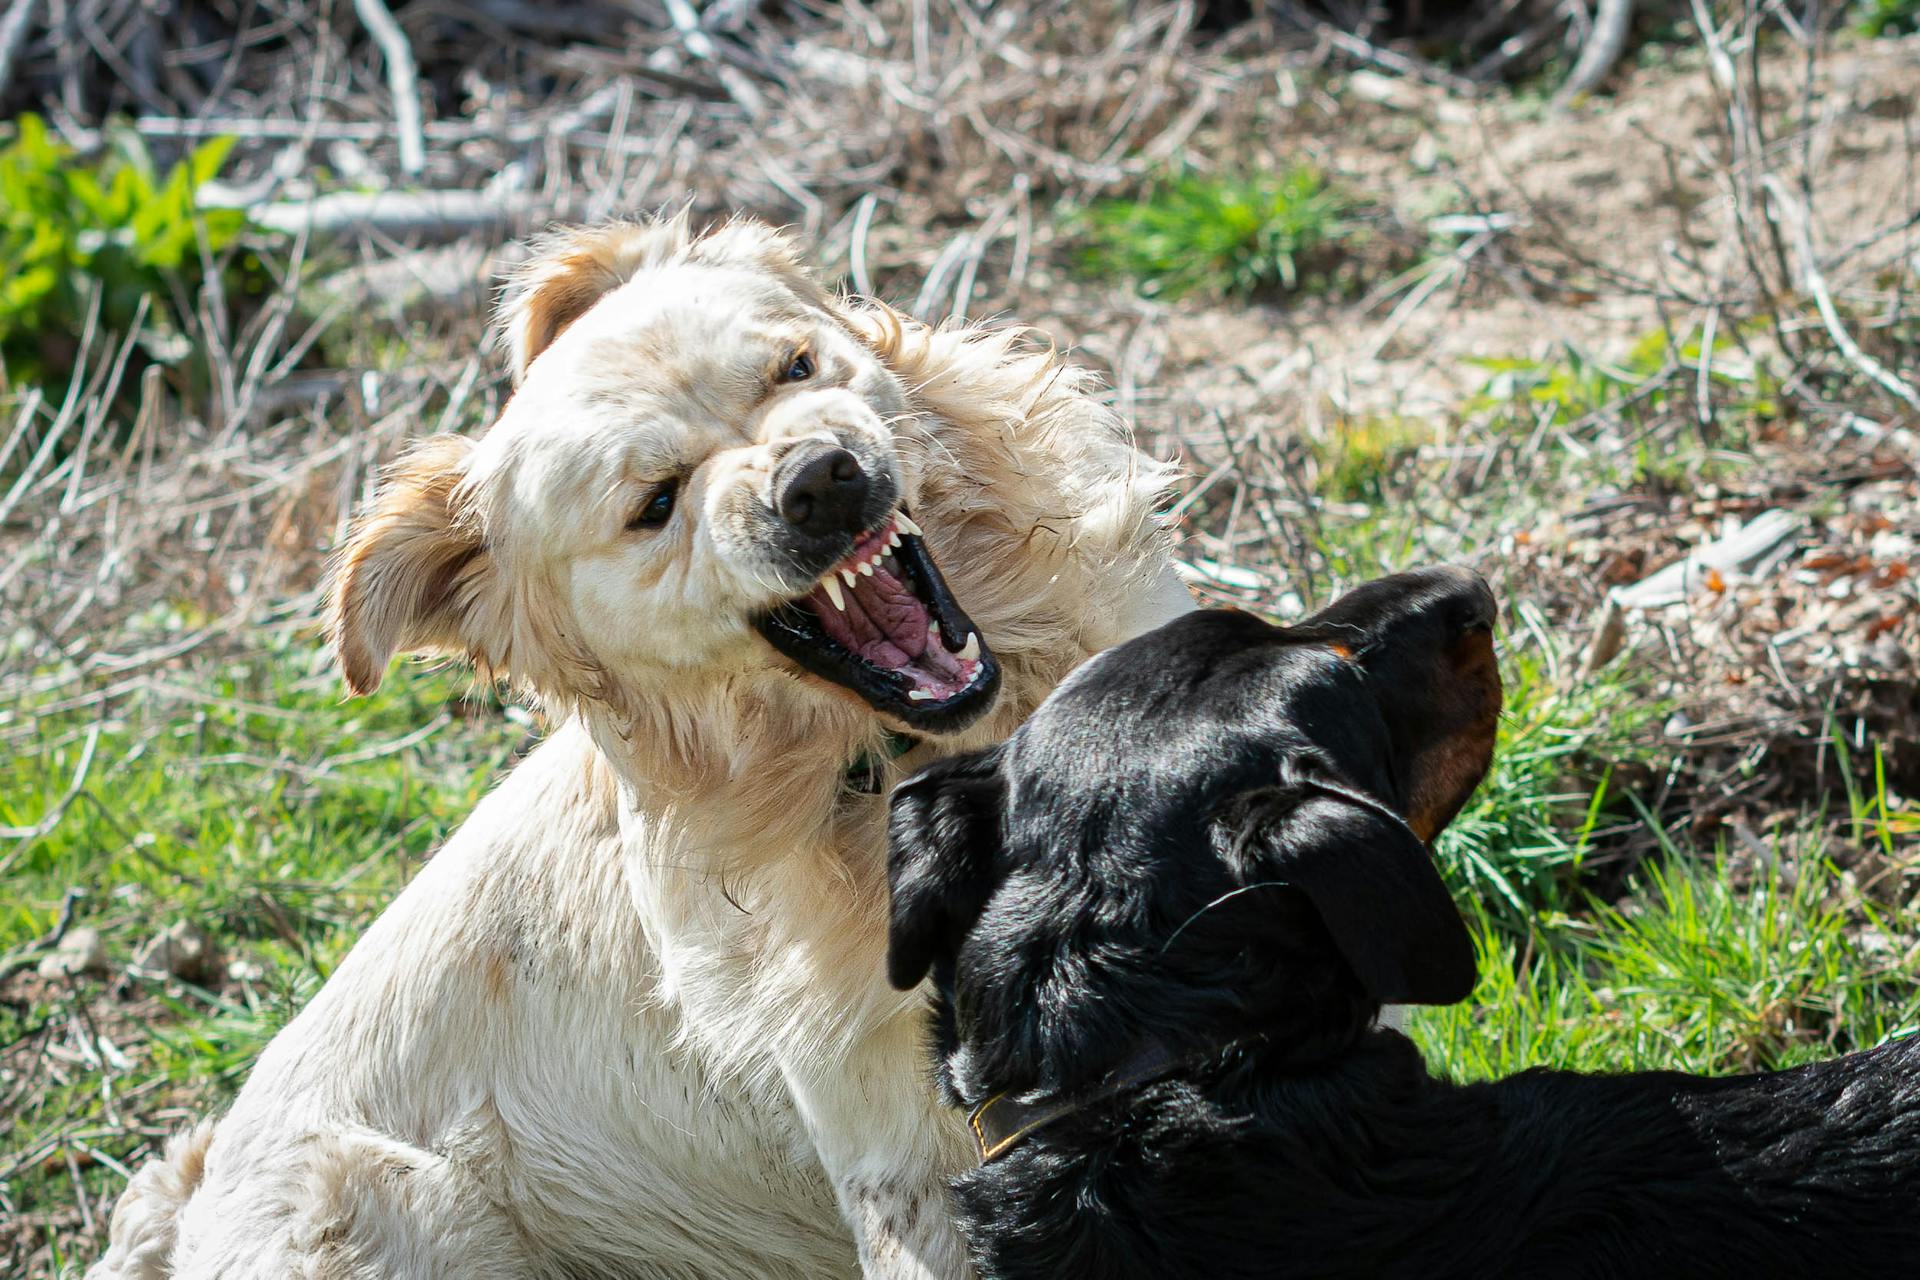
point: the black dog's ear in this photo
(1377, 890)
(943, 837)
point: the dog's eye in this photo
(657, 509)
(798, 369)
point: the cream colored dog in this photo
(744, 542)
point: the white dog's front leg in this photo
(903, 1224)
(890, 1149)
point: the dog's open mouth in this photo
(882, 623)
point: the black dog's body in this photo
(1211, 840)
(1369, 1167)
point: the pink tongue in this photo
(884, 622)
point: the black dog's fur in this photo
(1163, 852)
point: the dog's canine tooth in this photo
(832, 584)
(919, 695)
(848, 575)
(970, 651)
(905, 521)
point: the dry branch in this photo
(397, 213)
(1798, 221)
(402, 80)
(1612, 24)
(13, 34)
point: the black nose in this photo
(821, 490)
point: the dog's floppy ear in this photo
(410, 569)
(943, 836)
(1375, 887)
(570, 269)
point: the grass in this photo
(250, 799)
(1522, 844)
(1234, 234)
(1657, 375)
(1700, 968)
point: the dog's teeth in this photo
(919, 695)
(905, 521)
(893, 539)
(866, 568)
(933, 631)
(848, 575)
(886, 553)
(970, 651)
(832, 584)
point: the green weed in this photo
(1357, 463)
(116, 225)
(1887, 17)
(1234, 234)
(1658, 373)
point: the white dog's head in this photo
(707, 468)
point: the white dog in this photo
(633, 1020)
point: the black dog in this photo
(1162, 920)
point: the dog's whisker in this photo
(1231, 893)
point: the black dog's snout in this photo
(1458, 599)
(821, 489)
(1477, 609)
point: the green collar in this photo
(868, 769)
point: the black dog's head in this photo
(1212, 830)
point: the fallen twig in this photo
(51, 818)
(1420, 68)
(395, 213)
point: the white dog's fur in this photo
(632, 1019)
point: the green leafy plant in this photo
(115, 224)
(1233, 234)
(1887, 17)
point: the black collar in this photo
(1001, 1122)
(869, 769)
